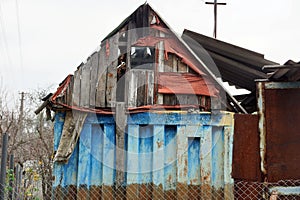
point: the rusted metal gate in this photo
(266, 145)
(168, 155)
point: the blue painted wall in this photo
(160, 148)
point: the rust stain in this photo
(110, 75)
(159, 144)
(282, 118)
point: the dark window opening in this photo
(142, 57)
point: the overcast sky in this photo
(56, 36)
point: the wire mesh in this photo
(281, 190)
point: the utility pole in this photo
(21, 112)
(216, 4)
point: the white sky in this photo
(56, 36)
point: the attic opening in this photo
(142, 57)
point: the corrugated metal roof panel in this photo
(236, 65)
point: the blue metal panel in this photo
(84, 162)
(132, 154)
(70, 169)
(161, 148)
(145, 153)
(58, 127)
(170, 158)
(109, 154)
(194, 161)
(158, 154)
(217, 157)
(97, 155)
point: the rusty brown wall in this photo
(246, 159)
(282, 115)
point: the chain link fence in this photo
(34, 190)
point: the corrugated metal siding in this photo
(168, 153)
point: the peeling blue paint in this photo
(161, 148)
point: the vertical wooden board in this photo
(160, 68)
(182, 163)
(181, 99)
(58, 128)
(94, 71)
(168, 63)
(150, 87)
(132, 92)
(84, 162)
(218, 162)
(111, 82)
(101, 79)
(206, 163)
(192, 99)
(76, 87)
(70, 91)
(111, 85)
(169, 99)
(182, 67)
(85, 84)
(140, 88)
(175, 63)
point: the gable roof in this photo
(139, 19)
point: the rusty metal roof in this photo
(236, 65)
(289, 71)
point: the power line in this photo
(2, 26)
(19, 36)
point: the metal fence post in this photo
(11, 178)
(3, 165)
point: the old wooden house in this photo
(144, 118)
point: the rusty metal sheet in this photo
(282, 133)
(246, 160)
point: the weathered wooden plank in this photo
(85, 84)
(169, 99)
(168, 63)
(93, 78)
(160, 61)
(182, 67)
(76, 87)
(140, 74)
(101, 79)
(111, 82)
(69, 93)
(121, 119)
(192, 100)
(132, 91)
(182, 99)
(150, 87)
